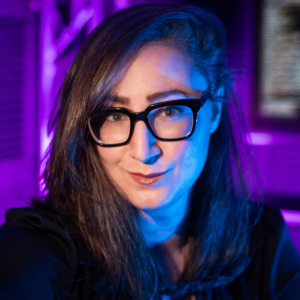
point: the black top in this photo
(38, 260)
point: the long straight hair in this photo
(101, 222)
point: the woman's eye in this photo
(170, 112)
(115, 117)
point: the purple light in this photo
(259, 138)
(120, 4)
(52, 50)
(35, 5)
(69, 34)
(291, 217)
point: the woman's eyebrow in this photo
(164, 94)
(150, 98)
(120, 100)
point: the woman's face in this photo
(153, 173)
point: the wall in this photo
(19, 136)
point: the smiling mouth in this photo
(146, 179)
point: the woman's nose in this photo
(142, 144)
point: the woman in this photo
(146, 195)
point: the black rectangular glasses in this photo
(167, 121)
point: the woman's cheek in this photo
(111, 159)
(195, 155)
(110, 155)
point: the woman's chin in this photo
(148, 199)
(147, 204)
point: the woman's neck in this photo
(163, 231)
(161, 224)
(172, 256)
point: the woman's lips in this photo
(146, 179)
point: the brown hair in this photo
(101, 222)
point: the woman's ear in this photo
(216, 110)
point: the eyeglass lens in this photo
(167, 122)
(171, 121)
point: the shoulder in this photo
(272, 233)
(37, 256)
(276, 260)
(270, 229)
(284, 260)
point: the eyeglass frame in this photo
(193, 104)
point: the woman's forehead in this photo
(159, 67)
